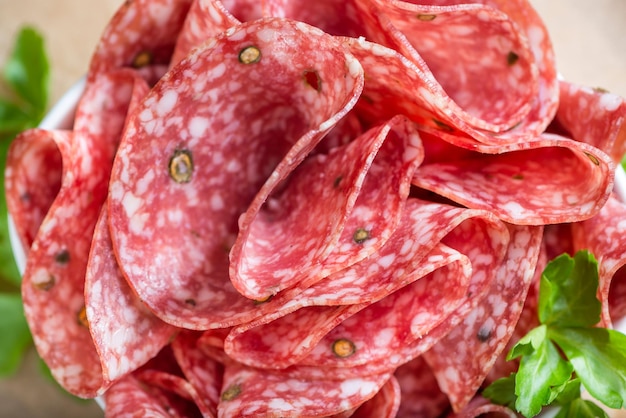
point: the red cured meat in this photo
(126, 334)
(480, 406)
(203, 372)
(130, 397)
(384, 405)
(550, 180)
(205, 19)
(462, 359)
(184, 400)
(420, 395)
(142, 33)
(327, 200)
(53, 282)
(595, 117)
(481, 41)
(32, 179)
(265, 393)
(179, 265)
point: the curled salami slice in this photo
(126, 334)
(33, 178)
(53, 282)
(265, 393)
(463, 358)
(179, 183)
(130, 397)
(605, 236)
(142, 33)
(549, 180)
(384, 404)
(482, 41)
(336, 203)
(203, 372)
(420, 394)
(480, 406)
(593, 116)
(205, 19)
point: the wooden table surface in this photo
(589, 39)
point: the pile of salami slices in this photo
(311, 208)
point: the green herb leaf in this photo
(529, 343)
(15, 334)
(27, 71)
(598, 356)
(12, 120)
(502, 391)
(538, 375)
(581, 408)
(567, 293)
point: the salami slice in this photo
(344, 205)
(593, 116)
(130, 397)
(480, 406)
(205, 19)
(462, 359)
(263, 393)
(203, 372)
(550, 180)
(384, 404)
(53, 282)
(33, 178)
(482, 41)
(179, 183)
(141, 34)
(126, 334)
(420, 394)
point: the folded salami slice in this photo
(126, 334)
(129, 396)
(345, 205)
(180, 182)
(420, 394)
(412, 253)
(481, 40)
(203, 372)
(384, 404)
(480, 407)
(53, 282)
(141, 34)
(593, 116)
(264, 393)
(33, 178)
(605, 236)
(463, 358)
(549, 180)
(205, 19)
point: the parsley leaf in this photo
(14, 330)
(566, 349)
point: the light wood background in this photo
(589, 39)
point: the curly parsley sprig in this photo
(566, 349)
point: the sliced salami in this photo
(549, 180)
(384, 404)
(33, 178)
(126, 334)
(264, 393)
(130, 398)
(593, 116)
(205, 19)
(179, 182)
(480, 406)
(344, 205)
(419, 391)
(142, 34)
(462, 359)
